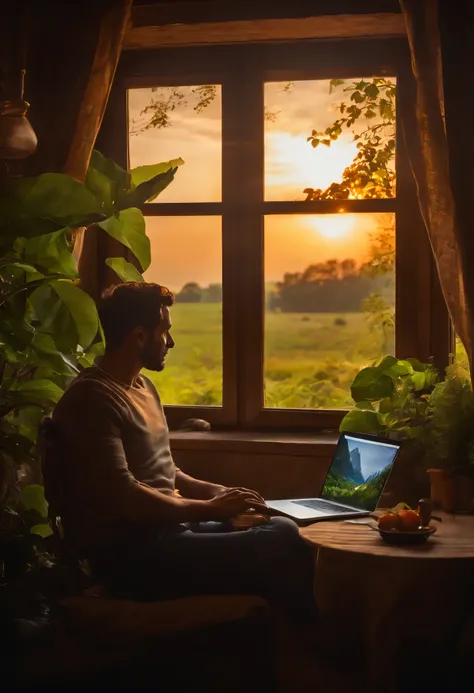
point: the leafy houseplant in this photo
(449, 440)
(406, 400)
(49, 327)
(392, 400)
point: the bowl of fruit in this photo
(403, 525)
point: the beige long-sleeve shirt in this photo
(112, 436)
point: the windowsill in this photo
(263, 442)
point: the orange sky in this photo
(189, 248)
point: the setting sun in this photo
(334, 226)
(293, 164)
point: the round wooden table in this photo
(403, 606)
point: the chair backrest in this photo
(51, 456)
(52, 472)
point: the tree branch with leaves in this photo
(370, 117)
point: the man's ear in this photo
(139, 334)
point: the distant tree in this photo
(326, 287)
(190, 293)
(212, 294)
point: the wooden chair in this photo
(104, 628)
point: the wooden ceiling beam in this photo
(257, 30)
(203, 11)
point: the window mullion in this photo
(243, 231)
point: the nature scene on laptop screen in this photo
(358, 472)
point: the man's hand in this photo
(256, 496)
(233, 501)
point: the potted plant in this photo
(49, 327)
(449, 441)
(391, 400)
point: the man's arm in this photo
(145, 505)
(90, 429)
(189, 487)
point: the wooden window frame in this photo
(422, 325)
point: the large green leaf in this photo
(13, 442)
(51, 252)
(82, 309)
(417, 365)
(371, 384)
(365, 406)
(125, 270)
(142, 174)
(102, 188)
(8, 267)
(128, 227)
(108, 168)
(26, 421)
(45, 352)
(89, 356)
(32, 498)
(42, 530)
(67, 313)
(15, 332)
(60, 198)
(40, 390)
(147, 191)
(16, 221)
(385, 406)
(419, 380)
(357, 421)
(386, 362)
(399, 369)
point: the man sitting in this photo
(149, 530)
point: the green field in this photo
(310, 360)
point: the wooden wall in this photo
(276, 466)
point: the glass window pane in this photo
(330, 304)
(170, 122)
(193, 372)
(323, 133)
(460, 354)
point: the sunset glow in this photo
(294, 165)
(291, 165)
(335, 226)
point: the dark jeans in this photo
(270, 560)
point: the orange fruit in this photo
(388, 521)
(409, 520)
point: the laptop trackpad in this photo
(323, 506)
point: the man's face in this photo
(157, 343)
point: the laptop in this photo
(354, 483)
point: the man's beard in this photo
(152, 361)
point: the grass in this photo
(310, 360)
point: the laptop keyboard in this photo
(324, 506)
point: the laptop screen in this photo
(359, 471)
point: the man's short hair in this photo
(132, 304)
